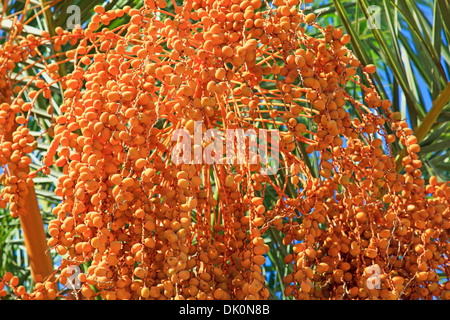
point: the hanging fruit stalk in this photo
(16, 142)
(32, 226)
(34, 236)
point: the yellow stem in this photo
(35, 239)
(427, 122)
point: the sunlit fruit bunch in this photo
(150, 228)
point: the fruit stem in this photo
(35, 239)
(427, 122)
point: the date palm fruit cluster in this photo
(147, 228)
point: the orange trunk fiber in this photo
(35, 240)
